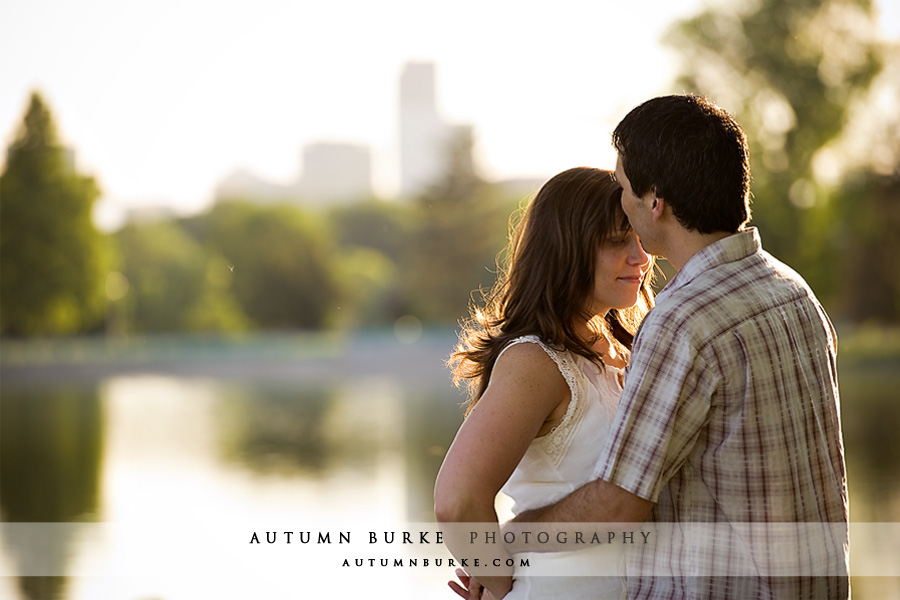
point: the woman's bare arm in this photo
(525, 388)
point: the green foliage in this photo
(282, 261)
(792, 73)
(174, 283)
(242, 264)
(369, 283)
(381, 226)
(460, 227)
(868, 217)
(373, 237)
(52, 259)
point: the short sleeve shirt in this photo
(730, 413)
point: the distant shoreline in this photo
(305, 356)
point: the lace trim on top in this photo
(557, 441)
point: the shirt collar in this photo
(732, 248)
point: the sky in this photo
(162, 100)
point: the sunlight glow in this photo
(162, 100)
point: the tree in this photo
(282, 261)
(791, 71)
(174, 284)
(373, 237)
(460, 227)
(869, 217)
(52, 268)
(375, 225)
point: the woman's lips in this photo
(636, 279)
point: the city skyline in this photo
(338, 173)
(160, 101)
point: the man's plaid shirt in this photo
(730, 415)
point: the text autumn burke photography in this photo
(583, 538)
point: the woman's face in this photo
(618, 272)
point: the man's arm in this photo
(596, 502)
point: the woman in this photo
(543, 361)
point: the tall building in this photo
(332, 173)
(424, 136)
(336, 172)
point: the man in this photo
(730, 412)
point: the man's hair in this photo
(693, 155)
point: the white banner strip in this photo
(145, 549)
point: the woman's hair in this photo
(546, 279)
(693, 154)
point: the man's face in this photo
(634, 207)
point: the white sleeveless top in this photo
(556, 464)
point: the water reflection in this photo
(282, 429)
(51, 446)
(431, 421)
(358, 437)
(275, 428)
(870, 418)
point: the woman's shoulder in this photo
(528, 352)
(526, 370)
(532, 358)
(528, 347)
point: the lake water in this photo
(161, 460)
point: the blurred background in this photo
(236, 240)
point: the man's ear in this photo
(657, 205)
